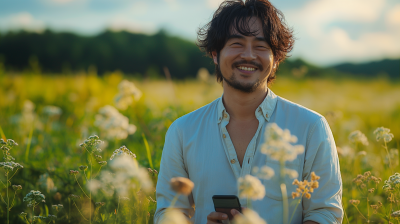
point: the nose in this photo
(248, 53)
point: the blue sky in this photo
(327, 31)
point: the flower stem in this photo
(387, 151)
(297, 204)
(174, 200)
(80, 187)
(80, 212)
(116, 215)
(285, 203)
(8, 204)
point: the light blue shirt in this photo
(198, 147)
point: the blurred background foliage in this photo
(146, 56)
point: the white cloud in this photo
(124, 23)
(22, 20)
(173, 4)
(214, 4)
(139, 8)
(322, 38)
(393, 17)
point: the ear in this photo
(214, 56)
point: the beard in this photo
(233, 82)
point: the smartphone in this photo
(225, 203)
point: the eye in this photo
(236, 44)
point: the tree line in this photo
(144, 55)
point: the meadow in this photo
(51, 118)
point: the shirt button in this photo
(225, 116)
(223, 135)
(233, 161)
(266, 115)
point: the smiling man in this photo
(220, 142)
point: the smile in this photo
(246, 68)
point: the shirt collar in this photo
(267, 107)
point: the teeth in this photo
(246, 68)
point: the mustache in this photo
(258, 66)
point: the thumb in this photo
(234, 212)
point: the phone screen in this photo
(225, 203)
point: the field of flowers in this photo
(65, 161)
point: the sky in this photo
(327, 32)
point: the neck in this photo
(241, 105)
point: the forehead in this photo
(247, 27)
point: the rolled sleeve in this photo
(172, 165)
(321, 157)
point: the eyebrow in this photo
(235, 36)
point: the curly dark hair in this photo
(236, 14)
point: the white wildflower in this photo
(127, 93)
(123, 150)
(358, 137)
(278, 145)
(362, 153)
(345, 151)
(33, 198)
(126, 173)
(173, 216)
(52, 111)
(291, 173)
(251, 187)
(383, 133)
(393, 183)
(113, 124)
(264, 172)
(47, 183)
(249, 217)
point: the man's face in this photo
(245, 62)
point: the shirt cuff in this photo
(321, 217)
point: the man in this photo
(220, 142)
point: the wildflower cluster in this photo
(251, 187)
(278, 144)
(123, 150)
(173, 216)
(152, 171)
(57, 207)
(6, 147)
(376, 207)
(249, 217)
(393, 183)
(17, 187)
(52, 111)
(395, 214)
(113, 124)
(33, 198)
(383, 133)
(49, 218)
(181, 185)
(306, 187)
(264, 172)
(354, 202)
(362, 180)
(127, 93)
(358, 137)
(92, 144)
(126, 174)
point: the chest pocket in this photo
(272, 186)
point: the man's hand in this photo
(216, 217)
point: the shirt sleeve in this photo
(172, 165)
(321, 157)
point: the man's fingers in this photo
(214, 217)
